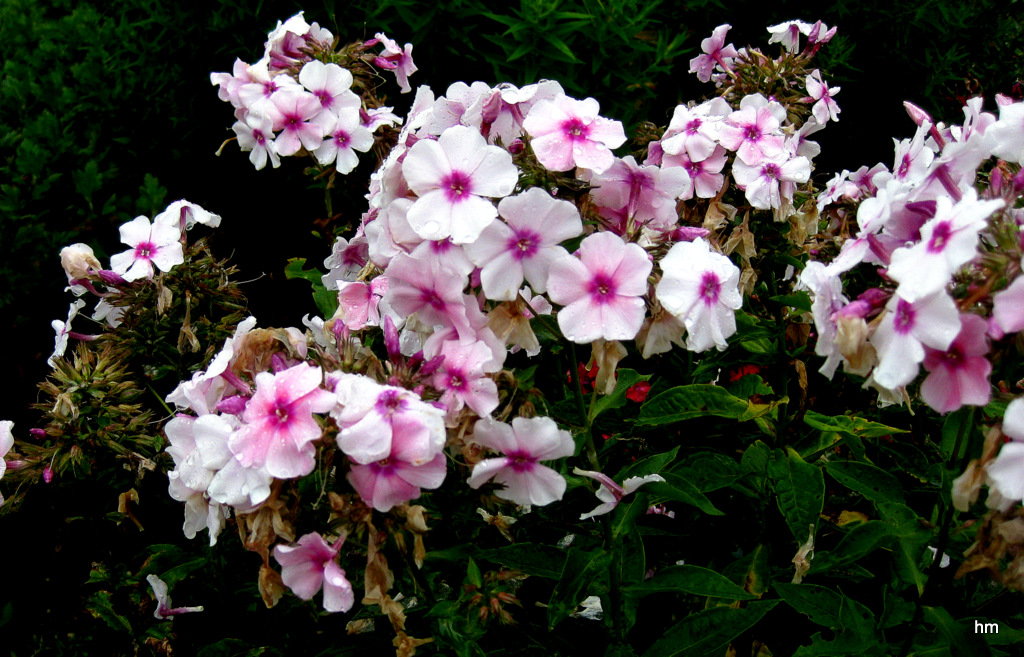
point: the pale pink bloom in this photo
(184, 215)
(343, 136)
(610, 493)
(705, 176)
(428, 287)
(255, 96)
(331, 84)
(63, 331)
(449, 109)
(359, 303)
(295, 26)
(825, 108)
(715, 52)
(701, 289)
(959, 375)
(525, 245)
(567, 133)
(602, 291)
(913, 157)
(462, 378)
(204, 462)
(647, 193)
(694, 131)
(826, 299)
(524, 444)
(902, 334)
(347, 259)
(163, 600)
(948, 240)
(753, 132)
(397, 60)
(292, 111)
(773, 180)
(454, 177)
(6, 444)
(230, 83)
(1005, 476)
(1013, 419)
(1008, 307)
(279, 428)
(500, 113)
(256, 134)
(397, 478)
(311, 564)
(158, 244)
(373, 418)
(788, 34)
(1008, 133)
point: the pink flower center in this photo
(939, 237)
(281, 412)
(771, 171)
(326, 99)
(457, 186)
(904, 167)
(521, 461)
(455, 381)
(430, 298)
(258, 136)
(575, 129)
(389, 402)
(710, 288)
(752, 133)
(602, 289)
(904, 321)
(145, 251)
(693, 125)
(524, 244)
(341, 138)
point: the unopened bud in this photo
(47, 474)
(516, 147)
(233, 405)
(111, 277)
(78, 261)
(917, 115)
(37, 433)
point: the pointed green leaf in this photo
(869, 480)
(799, 492)
(691, 579)
(710, 631)
(625, 379)
(822, 605)
(686, 402)
(679, 489)
(581, 567)
(859, 542)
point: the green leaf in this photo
(822, 605)
(531, 558)
(799, 492)
(710, 631)
(679, 489)
(626, 513)
(326, 300)
(963, 642)
(912, 540)
(580, 568)
(691, 579)
(751, 571)
(560, 46)
(687, 402)
(709, 471)
(625, 379)
(869, 480)
(799, 300)
(650, 465)
(852, 425)
(473, 575)
(100, 606)
(958, 423)
(859, 542)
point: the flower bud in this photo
(47, 474)
(37, 433)
(78, 261)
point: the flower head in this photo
(524, 443)
(568, 133)
(310, 565)
(157, 244)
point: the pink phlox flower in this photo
(331, 84)
(602, 291)
(451, 254)
(163, 600)
(428, 287)
(311, 564)
(462, 378)
(231, 83)
(694, 131)
(279, 428)
(1005, 477)
(913, 157)
(397, 60)
(705, 176)
(772, 180)
(799, 144)
(256, 134)
(343, 136)
(157, 244)
(610, 493)
(500, 114)
(395, 479)
(6, 445)
(753, 133)
(825, 108)
(648, 193)
(479, 323)
(975, 121)
(1013, 419)
(1008, 307)
(838, 188)
(347, 259)
(454, 178)
(295, 25)
(903, 332)
(959, 375)
(450, 108)
(232, 484)
(818, 35)
(715, 53)
(567, 133)
(525, 244)
(701, 289)
(390, 233)
(827, 298)
(255, 96)
(374, 118)
(788, 34)
(1008, 133)
(948, 241)
(292, 111)
(359, 303)
(185, 215)
(372, 417)
(188, 481)
(63, 330)
(524, 443)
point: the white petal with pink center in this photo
(524, 443)
(567, 133)
(156, 244)
(898, 340)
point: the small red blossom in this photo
(742, 371)
(638, 391)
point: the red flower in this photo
(638, 391)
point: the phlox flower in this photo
(825, 108)
(453, 177)
(292, 111)
(500, 113)
(524, 444)
(772, 180)
(230, 83)
(705, 176)
(701, 289)
(715, 52)
(63, 330)
(693, 130)
(1005, 476)
(163, 600)
(905, 329)
(359, 303)
(788, 34)
(79, 262)
(1008, 307)
(347, 259)
(397, 60)
(256, 134)
(343, 136)
(753, 132)
(462, 378)
(157, 244)
(525, 244)
(311, 564)
(1008, 133)
(429, 287)
(331, 84)
(398, 477)
(648, 193)
(959, 375)
(948, 240)
(567, 133)
(610, 493)
(602, 291)
(186, 215)
(279, 428)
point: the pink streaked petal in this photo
(581, 321)
(554, 151)
(542, 438)
(383, 490)
(622, 318)
(429, 476)
(304, 578)
(425, 165)
(495, 435)
(338, 595)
